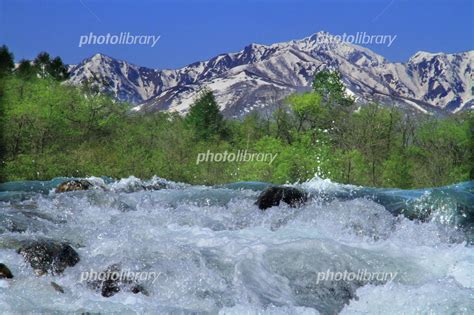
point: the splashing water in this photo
(216, 252)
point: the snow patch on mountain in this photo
(259, 77)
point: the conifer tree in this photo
(205, 118)
(7, 63)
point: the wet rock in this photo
(124, 207)
(422, 215)
(113, 280)
(272, 196)
(5, 272)
(12, 223)
(49, 256)
(57, 287)
(74, 185)
(156, 186)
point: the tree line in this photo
(52, 129)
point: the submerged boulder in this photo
(74, 185)
(112, 280)
(5, 272)
(135, 187)
(57, 287)
(155, 186)
(272, 196)
(49, 256)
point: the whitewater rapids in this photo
(217, 253)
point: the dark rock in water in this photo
(12, 222)
(73, 185)
(272, 196)
(113, 280)
(124, 207)
(5, 272)
(49, 256)
(156, 186)
(422, 215)
(57, 287)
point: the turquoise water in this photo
(217, 253)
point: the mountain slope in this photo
(260, 76)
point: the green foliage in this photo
(442, 147)
(328, 84)
(42, 66)
(397, 171)
(7, 62)
(471, 146)
(50, 129)
(350, 167)
(57, 69)
(42, 63)
(204, 117)
(25, 70)
(308, 110)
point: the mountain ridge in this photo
(258, 77)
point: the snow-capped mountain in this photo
(260, 76)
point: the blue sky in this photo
(195, 30)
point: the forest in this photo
(51, 129)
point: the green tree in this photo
(283, 124)
(329, 85)
(441, 150)
(7, 63)
(57, 69)
(45, 66)
(308, 110)
(373, 133)
(471, 145)
(41, 63)
(397, 171)
(25, 70)
(204, 117)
